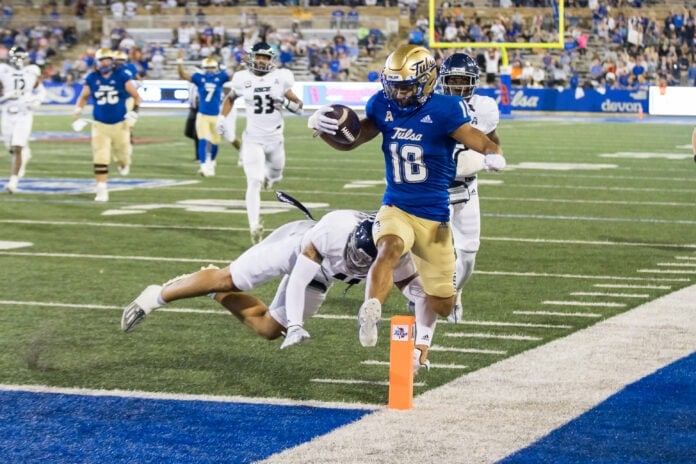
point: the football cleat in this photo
(144, 304)
(368, 322)
(420, 359)
(11, 185)
(125, 170)
(296, 334)
(455, 316)
(102, 192)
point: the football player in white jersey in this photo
(22, 93)
(266, 92)
(310, 256)
(459, 75)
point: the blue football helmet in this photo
(360, 250)
(459, 75)
(409, 77)
(260, 67)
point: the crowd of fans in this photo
(606, 50)
(602, 49)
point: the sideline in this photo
(485, 416)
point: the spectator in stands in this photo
(417, 37)
(337, 19)
(492, 57)
(527, 77)
(131, 7)
(353, 18)
(185, 34)
(80, 9)
(117, 9)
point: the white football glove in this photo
(79, 124)
(131, 118)
(34, 104)
(220, 124)
(292, 106)
(322, 123)
(494, 162)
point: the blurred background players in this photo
(22, 93)
(209, 88)
(266, 92)
(109, 88)
(459, 75)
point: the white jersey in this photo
(484, 113)
(18, 87)
(260, 94)
(277, 254)
(465, 214)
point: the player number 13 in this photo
(407, 163)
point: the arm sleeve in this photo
(301, 275)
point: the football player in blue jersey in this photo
(419, 132)
(209, 84)
(109, 88)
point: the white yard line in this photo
(490, 413)
(617, 295)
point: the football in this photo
(348, 124)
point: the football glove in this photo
(79, 124)
(322, 123)
(494, 162)
(220, 124)
(292, 106)
(131, 118)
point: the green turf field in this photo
(564, 245)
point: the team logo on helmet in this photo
(409, 77)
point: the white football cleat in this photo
(296, 334)
(124, 170)
(144, 304)
(102, 192)
(368, 322)
(11, 185)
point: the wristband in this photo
(77, 111)
(179, 61)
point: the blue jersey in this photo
(108, 95)
(209, 87)
(417, 151)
